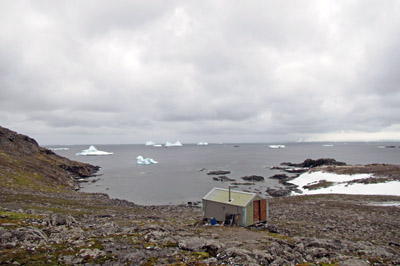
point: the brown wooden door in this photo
(256, 210)
(263, 210)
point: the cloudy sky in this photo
(82, 72)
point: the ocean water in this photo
(181, 174)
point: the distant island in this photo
(44, 220)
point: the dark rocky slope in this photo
(26, 165)
(41, 226)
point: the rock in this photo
(223, 178)
(310, 163)
(354, 262)
(92, 253)
(253, 178)
(317, 252)
(61, 219)
(213, 247)
(279, 192)
(280, 177)
(279, 262)
(10, 245)
(70, 260)
(200, 244)
(275, 249)
(219, 172)
(263, 257)
(272, 228)
(30, 235)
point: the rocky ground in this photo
(88, 229)
(45, 222)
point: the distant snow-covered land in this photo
(327, 183)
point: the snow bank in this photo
(92, 151)
(176, 144)
(142, 161)
(341, 186)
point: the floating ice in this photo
(150, 143)
(176, 144)
(93, 151)
(157, 145)
(142, 161)
(202, 144)
(59, 149)
(276, 146)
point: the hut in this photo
(234, 207)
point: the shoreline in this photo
(43, 220)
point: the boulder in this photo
(61, 219)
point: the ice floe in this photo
(150, 143)
(92, 151)
(176, 144)
(143, 161)
(276, 146)
(59, 149)
(341, 186)
(202, 144)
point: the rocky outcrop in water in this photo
(219, 172)
(310, 163)
(253, 178)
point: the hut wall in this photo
(218, 210)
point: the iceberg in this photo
(176, 144)
(276, 146)
(92, 151)
(142, 161)
(150, 143)
(202, 144)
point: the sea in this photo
(180, 176)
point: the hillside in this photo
(24, 165)
(43, 221)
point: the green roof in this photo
(238, 198)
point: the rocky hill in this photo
(49, 223)
(25, 165)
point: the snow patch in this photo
(341, 186)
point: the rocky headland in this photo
(44, 221)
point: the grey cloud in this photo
(248, 71)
